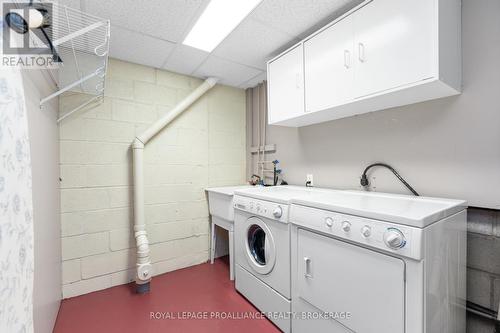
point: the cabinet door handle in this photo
(361, 52)
(307, 272)
(347, 59)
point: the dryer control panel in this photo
(267, 209)
(395, 238)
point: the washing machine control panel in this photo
(270, 210)
(396, 238)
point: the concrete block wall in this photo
(483, 265)
(203, 147)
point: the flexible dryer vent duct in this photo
(144, 267)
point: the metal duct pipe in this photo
(144, 267)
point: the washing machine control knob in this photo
(346, 226)
(366, 231)
(394, 238)
(278, 212)
(329, 222)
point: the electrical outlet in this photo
(309, 180)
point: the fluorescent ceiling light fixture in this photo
(217, 21)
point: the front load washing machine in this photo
(262, 248)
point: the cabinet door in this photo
(286, 86)
(394, 44)
(328, 61)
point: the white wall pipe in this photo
(178, 109)
(144, 267)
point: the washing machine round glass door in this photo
(259, 244)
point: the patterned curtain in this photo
(16, 210)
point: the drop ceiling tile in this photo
(185, 59)
(253, 43)
(168, 20)
(149, 32)
(299, 17)
(254, 81)
(135, 47)
(230, 73)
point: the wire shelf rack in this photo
(81, 41)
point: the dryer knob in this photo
(277, 212)
(329, 222)
(394, 239)
(366, 231)
(346, 226)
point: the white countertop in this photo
(279, 194)
(403, 209)
(228, 190)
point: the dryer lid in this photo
(402, 209)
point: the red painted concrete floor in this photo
(202, 290)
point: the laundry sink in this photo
(220, 201)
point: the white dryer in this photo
(371, 262)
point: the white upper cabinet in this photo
(381, 54)
(394, 43)
(286, 86)
(328, 65)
